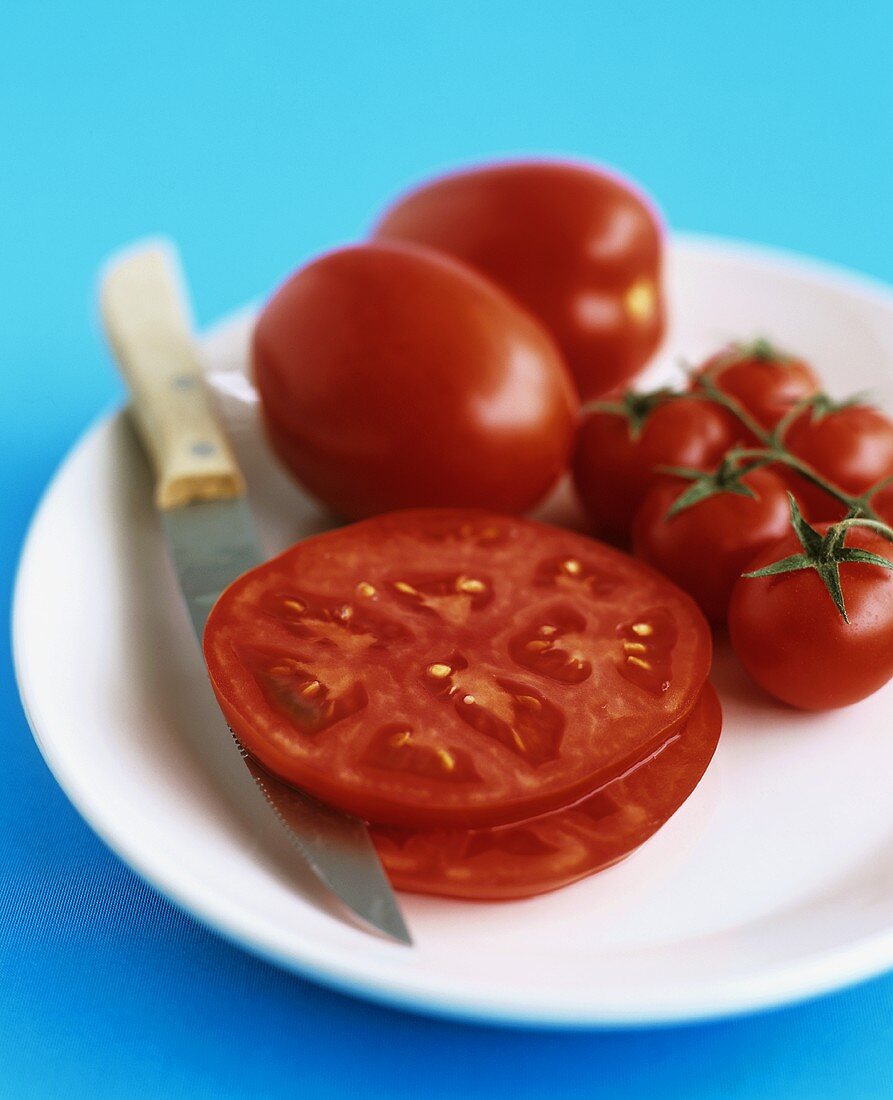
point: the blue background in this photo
(256, 135)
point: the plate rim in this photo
(775, 987)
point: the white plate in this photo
(773, 882)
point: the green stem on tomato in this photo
(781, 428)
(716, 395)
(771, 455)
(878, 485)
(877, 525)
(773, 449)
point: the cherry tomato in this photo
(576, 245)
(515, 861)
(391, 376)
(705, 547)
(767, 382)
(795, 643)
(882, 503)
(851, 445)
(620, 447)
(445, 667)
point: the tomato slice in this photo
(447, 667)
(532, 857)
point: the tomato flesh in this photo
(443, 667)
(532, 857)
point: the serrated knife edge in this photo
(199, 493)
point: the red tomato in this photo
(391, 376)
(447, 667)
(765, 381)
(576, 245)
(516, 861)
(793, 641)
(617, 454)
(850, 445)
(882, 502)
(706, 547)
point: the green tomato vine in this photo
(772, 449)
(823, 553)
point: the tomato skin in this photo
(766, 387)
(533, 857)
(882, 502)
(613, 470)
(793, 641)
(445, 667)
(391, 377)
(576, 245)
(705, 548)
(852, 447)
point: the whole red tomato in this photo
(576, 245)
(851, 445)
(621, 445)
(705, 546)
(792, 636)
(392, 376)
(767, 382)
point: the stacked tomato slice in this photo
(512, 706)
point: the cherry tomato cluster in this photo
(713, 485)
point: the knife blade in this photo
(200, 495)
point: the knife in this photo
(200, 495)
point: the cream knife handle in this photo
(147, 322)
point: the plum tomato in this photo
(850, 444)
(764, 380)
(391, 377)
(448, 667)
(621, 444)
(812, 620)
(574, 244)
(532, 857)
(703, 534)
